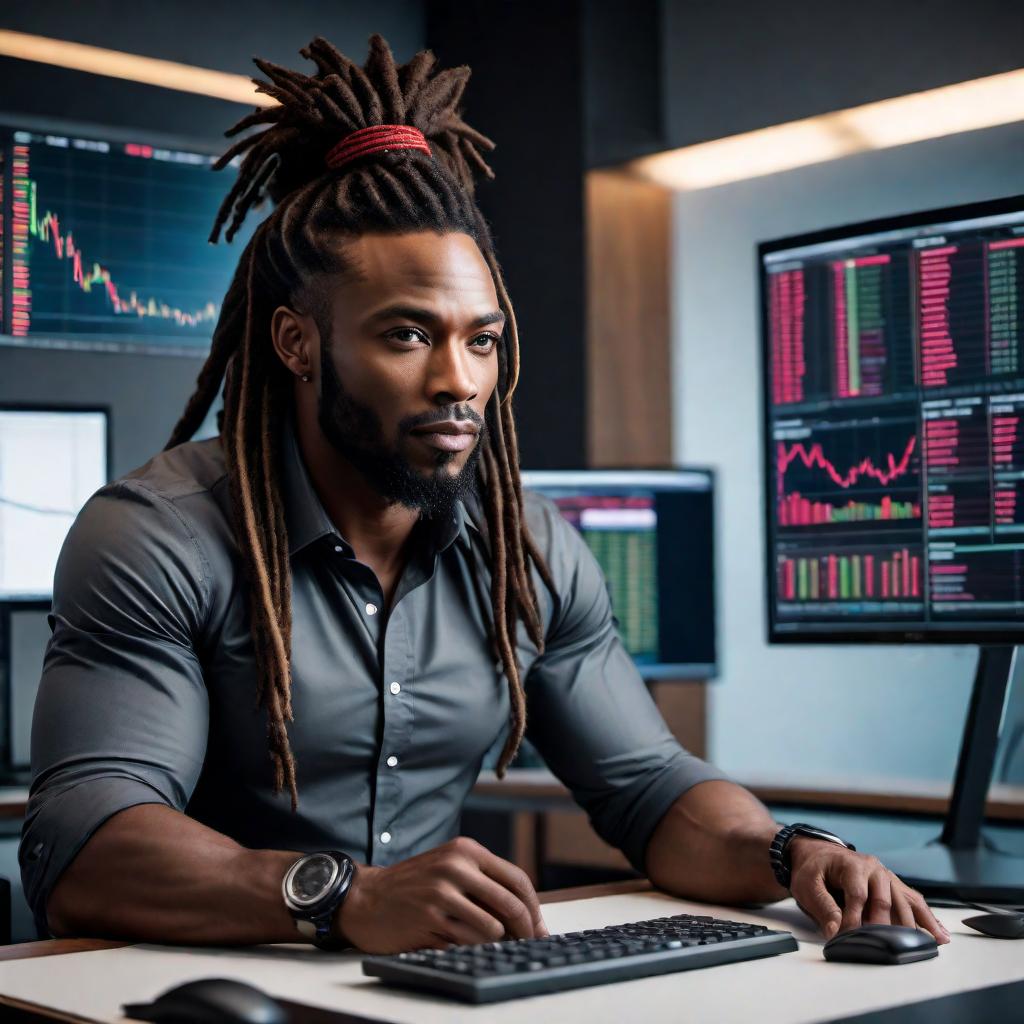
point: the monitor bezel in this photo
(112, 344)
(832, 633)
(667, 672)
(44, 603)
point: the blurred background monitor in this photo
(652, 533)
(105, 239)
(51, 461)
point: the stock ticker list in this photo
(896, 460)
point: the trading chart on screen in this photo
(104, 243)
(894, 391)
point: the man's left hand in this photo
(842, 889)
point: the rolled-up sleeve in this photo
(121, 717)
(591, 716)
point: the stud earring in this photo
(305, 378)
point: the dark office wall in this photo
(526, 93)
(219, 35)
(668, 73)
(736, 65)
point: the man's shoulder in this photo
(180, 496)
(189, 470)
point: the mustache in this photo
(428, 419)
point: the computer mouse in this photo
(210, 1001)
(881, 944)
(1000, 926)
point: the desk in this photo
(796, 988)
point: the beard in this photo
(356, 432)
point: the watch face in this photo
(310, 878)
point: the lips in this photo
(449, 435)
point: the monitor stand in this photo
(960, 863)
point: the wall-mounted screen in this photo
(105, 242)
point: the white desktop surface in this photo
(794, 988)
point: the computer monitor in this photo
(105, 239)
(893, 393)
(651, 531)
(51, 461)
(895, 440)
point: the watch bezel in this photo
(306, 902)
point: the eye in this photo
(485, 341)
(408, 335)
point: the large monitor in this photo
(894, 440)
(105, 239)
(652, 534)
(51, 462)
(893, 394)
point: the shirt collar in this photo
(307, 519)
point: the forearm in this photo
(150, 873)
(713, 845)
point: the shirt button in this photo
(385, 837)
(338, 549)
(392, 761)
(371, 609)
(396, 687)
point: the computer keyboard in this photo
(492, 971)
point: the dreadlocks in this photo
(286, 263)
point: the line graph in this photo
(838, 473)
(866, 468)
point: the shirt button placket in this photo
(393, 710)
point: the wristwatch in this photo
(779, 849)
(313, 889)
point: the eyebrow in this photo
(427, 316)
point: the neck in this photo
(377, 530)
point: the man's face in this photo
(413, 346)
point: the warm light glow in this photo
(964, 107)
(166, 74)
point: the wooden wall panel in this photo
(629, 401)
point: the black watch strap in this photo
(779, 849)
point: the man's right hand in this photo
(457, 893)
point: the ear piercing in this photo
(305, 378)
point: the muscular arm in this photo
(713, 845)
(151, 873)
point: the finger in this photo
(925, 918)
(518, 882)
(500, 902)
(816, 901)
(468, 921)
(902, 911)
(878, 909)
(855, 893)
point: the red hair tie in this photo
(377, 138)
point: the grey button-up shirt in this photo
(148, 686)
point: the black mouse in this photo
(210, 1001)
(1000, 926)
(881, 944)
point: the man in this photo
(354, 551)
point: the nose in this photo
(451, 374)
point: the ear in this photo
(296, 340)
